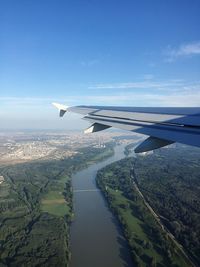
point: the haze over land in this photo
(22, 146)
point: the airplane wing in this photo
(164, 126)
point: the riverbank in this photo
(150, 245)
(96, 238)
(36, 209)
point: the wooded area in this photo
(169, 180)
(36, 209)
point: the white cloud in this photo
(183, 50)
(36, 112)
(184, 99)
(148, 83)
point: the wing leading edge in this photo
(164, 126)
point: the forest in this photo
(36, 209)
(170, 183)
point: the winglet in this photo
(62, 108)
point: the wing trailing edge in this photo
(164, 126)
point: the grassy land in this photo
(141, 237)
(150, 245)
(54, 203)
(36, 209)
(55, 200)
(58, 200)
(101, 156)
(170, 181)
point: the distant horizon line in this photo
(48, 129)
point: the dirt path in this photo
(157, 218)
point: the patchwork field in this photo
(55, 203)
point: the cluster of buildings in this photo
(22, 147)
(26, 146)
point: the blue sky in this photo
(131, 53)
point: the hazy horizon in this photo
(95, 53)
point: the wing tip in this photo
(62, 108)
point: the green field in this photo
(36, 209)
(150, 244)
(54, 203)
(141, 239)
(106, 153)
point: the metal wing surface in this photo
(163, 125)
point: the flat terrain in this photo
(18, 147)
(148, 236)
(55, 203)
(36, 209)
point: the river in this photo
(95, 236)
